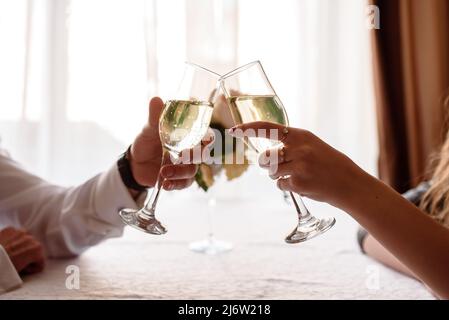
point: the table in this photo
(261, 265)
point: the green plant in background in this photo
(221, 121)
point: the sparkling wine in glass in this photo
(252, 98)
(182, 124)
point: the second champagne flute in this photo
(252, 98)
(182, 125)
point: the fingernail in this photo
(208, 139)
(168, 172)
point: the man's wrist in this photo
(124, 167)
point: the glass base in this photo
(309, 229)
(210, 246)
(143, 222)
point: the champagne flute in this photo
(211, 245)
(252, 98)
(182, 124)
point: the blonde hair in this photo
(436, 200)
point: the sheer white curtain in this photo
(76, 75)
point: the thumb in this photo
(155, 109)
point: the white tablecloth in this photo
(261, 265)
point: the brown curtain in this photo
(411, 72)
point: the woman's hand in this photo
(146, 155)
(318, 171)
(24, 251)
(305, 164)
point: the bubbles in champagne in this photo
(184, 123)
(249, 108)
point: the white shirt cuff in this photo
(111, 195)
(9, 278)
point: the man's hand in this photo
(25, 252)
(146, 156)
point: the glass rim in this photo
(240, 69)
(202, 68)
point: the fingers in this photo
(262, 129)
(10, 234)
(155, 109)
(26, 244)
(31, 252)
(286, 184)
(275, 156)
(279, 171)
(24, 251)
(34, 268)
(278, 162)
(33, 260)
(179, 172)
(208, 138)
(177, 184)
(19, 243)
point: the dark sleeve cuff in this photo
(361, 235)
(415, 195)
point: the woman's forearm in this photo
(418, 241)
(307, 165)
(374, 249)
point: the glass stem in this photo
(150, 204)
(301, 209)
(211, 207)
